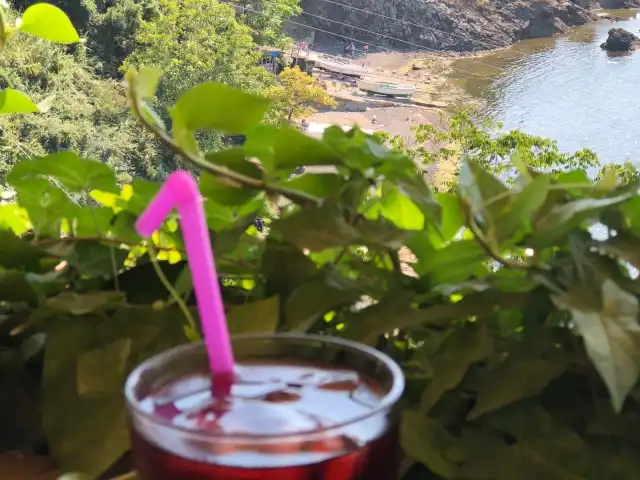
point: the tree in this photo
(79, 111)
(194, 41)
(297, 95)
(266, 19)
(439, 147)
(112, 31)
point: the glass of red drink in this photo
(302, 407)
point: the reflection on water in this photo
(565, 88)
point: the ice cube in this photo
(193, 401)
(181, 387)
(258, 418)
(255, 390)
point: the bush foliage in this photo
(515, 318)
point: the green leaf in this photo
(261, 316)
(46, 204)
(90, 257)
(320, 185)
(49, 22)
(461, 349)
(183, 136)
(400, 171)
(395, 311)
(143, 193)
(19, 416)
(219, 217)
(524, 443)
(452, 217)
(86, 362)
(380, 234)
(14, 287)
(13, 101)
(399, 209)
(480, 187)
(14, 218)
(631, 211)
(109, 360)
(217, 107)
(454, 263)
(521, 210)
(317, 229)
(562, 218)
(17, 253)
(312, 300)
(260, 144)
(516, 378)
(73, 172)
(45, 284)
(623, 246)
(427, 441)
(285, 268)
(123, 227)
(223, 191)
(574, 177)
(147, 82)
(184, 283)
(83, 303)
(292, 148)
(611, 337)
(92, 221)
(367, 324)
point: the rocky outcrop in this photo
(458, 25)
(618, 4)
(620, 40)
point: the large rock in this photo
(544, 24)
(620, 40)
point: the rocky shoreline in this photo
(448, 25)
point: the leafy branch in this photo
(234, 178)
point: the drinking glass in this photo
(359, 443)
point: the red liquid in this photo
(269, 400)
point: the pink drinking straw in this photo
(180, 191)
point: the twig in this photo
(231, 175)
(167, 284)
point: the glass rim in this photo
(387, 401)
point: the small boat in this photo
(385, 88)
(350, 69)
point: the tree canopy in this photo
(296, 95)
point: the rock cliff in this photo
(458, 25)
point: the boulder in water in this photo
(620, 40)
